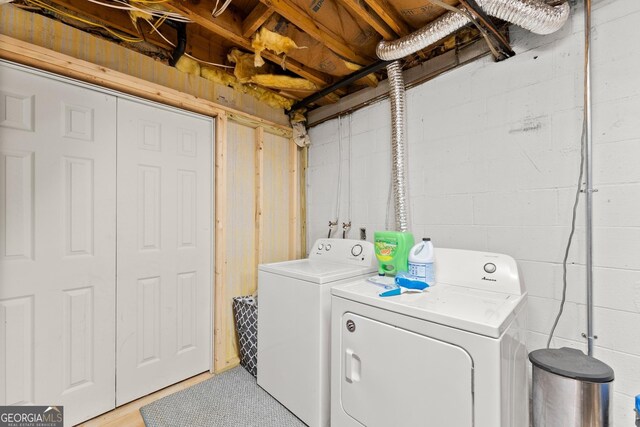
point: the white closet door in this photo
(57, 245)
(164, 248)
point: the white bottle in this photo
(421, 259)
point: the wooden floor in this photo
(129, 415)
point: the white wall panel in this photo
(148, 320)
(16, 206)
(149, 207)
(78, 337)
(16, 351)
(79, 200)
(187, 208)
(150, 134)
(187, 142)
(186, 310)
(16, 110)
(78, 122)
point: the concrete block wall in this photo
(494, 154)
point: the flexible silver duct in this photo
(533, 15)
(398, 146)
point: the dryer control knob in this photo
(351, 326)
(356, 250)
(490, 267)
(327, 247)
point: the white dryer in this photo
(294, 323)
(452, 356)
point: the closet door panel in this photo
(57, 244)
(164, 247)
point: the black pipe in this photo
(356, 75)
(181, 45)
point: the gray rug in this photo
(230, 399)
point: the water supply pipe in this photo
(332, 226)
(346, 226)
(588, 158)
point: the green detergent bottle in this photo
(392, 250)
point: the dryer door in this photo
(395, 377)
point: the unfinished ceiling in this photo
(280, 51)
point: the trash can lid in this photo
(572, 363)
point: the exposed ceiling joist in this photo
(229, 26)
(505, 50)
(257, 17)
(210, 38)
(416, 75)
(360, 10)
(116, 19)
(389, 15)
(300, 19)
(198, 45)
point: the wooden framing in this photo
(294, 200)
(303, 21)
(372, 19)
(259, 159)
(197, 45)
(258, 212)
(220, 362)
(48, 60)
(321, 33)
(389, 15)
(257, 17)
(229, 26)
(304, 165)
(237, 25)
(116, 19)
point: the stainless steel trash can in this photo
(570, 389)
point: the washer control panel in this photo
(359, 252)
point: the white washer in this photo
(454, 355)
(294, 323)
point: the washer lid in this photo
(481, 312)
(571, 363)
(316, 271)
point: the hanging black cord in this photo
(583, 143)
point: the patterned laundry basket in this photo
(245, 311)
